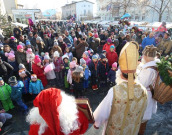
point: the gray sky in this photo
(47, 4)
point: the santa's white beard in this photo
(67, 116)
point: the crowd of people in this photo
(74, 58)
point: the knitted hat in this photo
(150, 51)
(96, 35)
(95, 57)
(112, 46)
(72, 64)
(56, 43)
(82, 62)
(12, 80)
(29, 50)
(19, 47)
(39, 39)
(109, 40)
(1, 79)
(65, 57)
(90, 51)
(56, 54)
(42, 54)
(12, 38)
(21, 66)
(33, 76)
(102, 56)
(37, 59)
(28, 42)
(90, 34)
(79, 69)
(10, 55)
(46, 57)
(114, 65)
(86, 53)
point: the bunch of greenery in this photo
(164, 68)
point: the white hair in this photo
(67, 116)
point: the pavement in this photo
(160, 124)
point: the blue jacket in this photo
(148, 41)
(16, 91)
(87, 73)
(71, 39)
(35, 87)
(112, 75)
(25, 81)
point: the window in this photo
(84, 12)
(84, 6)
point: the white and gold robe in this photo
(119, 115)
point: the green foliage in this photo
(6, 26)
(163, 67)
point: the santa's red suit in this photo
(56, 113)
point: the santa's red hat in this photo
(46, 101)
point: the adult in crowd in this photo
(149, 40)
(21, 56)
(165, 46)
(80, 48)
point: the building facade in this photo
(9, 5)
(113, 10)
(81, 10)
(2, 8)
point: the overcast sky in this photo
(47, 4)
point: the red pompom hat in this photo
(37, 59)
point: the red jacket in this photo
(112, 57)
(107, 47)
(40, 73)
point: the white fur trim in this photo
(67, 116)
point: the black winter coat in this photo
(5, 68)
(103, 69)
(94, 72)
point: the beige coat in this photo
(165, 46)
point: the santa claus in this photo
(56, 113)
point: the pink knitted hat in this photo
(29, 50)
(109, 40)
(19, 47)
(114, 65)
(10, 55)
(12, 38)
(37, 59)
(96, 35)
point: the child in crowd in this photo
(94, 73)
(16, 92)
(38, 69)
(35, 86)
(68, 53)
(66, 68)
(21, 66)
(58, 62)
(50, 75)
(5, 93)
(91, 53)
(103, 69)
(77, 79)
(104, 52)
(86, 57)
(75, 59)
(87, 73)
(112, 74)
(112, 56)
(72, 66)
(12, 62)
(25, 90)
(30, 57)
(42, 56)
